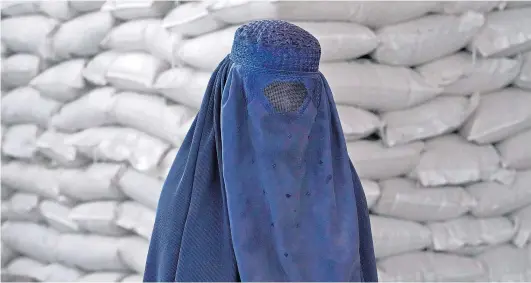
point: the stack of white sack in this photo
(434, 100)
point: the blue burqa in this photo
(262, 188)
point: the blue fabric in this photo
(257, 194)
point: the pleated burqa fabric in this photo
(262, 188)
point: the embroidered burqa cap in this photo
(262, 188)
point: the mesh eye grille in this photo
(286, 96)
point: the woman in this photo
(262, 188)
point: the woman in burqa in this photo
(262, 189)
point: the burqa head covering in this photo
(262, 188)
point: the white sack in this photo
(24, 269)
(505, 33)
(459, 7)
(26, 105)
(96, 182)
(394, 236)
(32, 240)
(29, 34)
(339, 41)
(524, 79)
(499, 115)
(20, 141)
(451, 160)
(90, 252)
(371, 190)
(86, 6)
(141, 188)
(56, 272)
(133, 278)
(93, 109)
(62, 82)
(135, 71)
(7, 255)
(96, 69)
(377, 87)
(507, 264)
(53, 145)
(136, 9)
(432, 267)
(422, 40)
(373, 160)
(102, 277)
(116, 144)
(165, 164)
(438, 116)
(19, 69)
(98, 217)
(368, 13)
(57, 216)
(494, 199)
(134, 216)
(31, 178)
(404, 199)
(357, 123)
(191, 19)
(462, 74)
(146, 35)
(59, 10)
(22, 207)
(19, 7)
(150, 114)
(133, 251)
(468, 231)
(81, 36)
(522, 221)
(183, 85)
(515, 151)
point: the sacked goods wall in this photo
(433, 98)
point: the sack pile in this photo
(434, 100)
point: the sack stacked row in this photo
(434, 100)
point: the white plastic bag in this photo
(93, 109)
(56, 272)
(506, 33)
(134, 216)
(86, 6)
(522, 221)
(20, 141)
(29, 34)
(507, 264)
(19, 69)
(141, 188)
(19, 7)
(357, 123)
(96, 182)
(165, 164)
(377, 87)
(191, 19)
(22, 207)
(462, 74)
(451, 160)
(499, 115)
(436, 117)
(62, 82)
(53, 145)
(90, 252)
(98, 217)
(135, 71)
(59, 10)
(468, 231)
(133, 251)
(56, 215)
(32, 240)
(432, 267)
(136, 9)
(494, 199)
(145, 35)
(116, 144)
(23, 269)
(96, 69)
(371, 190)
(524, 79)
(375, 161)
(150, 114)
(404, 199)
(394, 236)
(183, 85)
(31, 178)
(26, 105)
(515, 151)
(422, 40)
